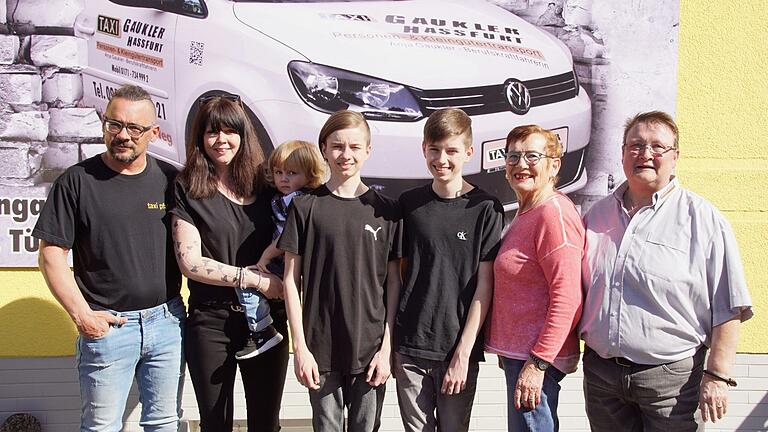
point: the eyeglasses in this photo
(226, 96)
(657, 150)
(115, 127)
(530, 157)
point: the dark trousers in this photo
(422, 407)
(337, 391)
(212, 336)
(623, 396)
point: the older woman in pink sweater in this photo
(537, 289)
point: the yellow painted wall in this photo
(722, 111)
(31, 321)
(723, 117)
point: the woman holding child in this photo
(222, 222)
(537, 283)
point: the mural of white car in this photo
(295, 62)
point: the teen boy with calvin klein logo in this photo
(451, 232)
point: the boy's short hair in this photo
(340, 120)
(446, 123)
(300, 155)
(654, 118)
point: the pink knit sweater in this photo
(537, 286)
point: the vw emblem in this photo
(518, 96)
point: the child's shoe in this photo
(259, 342)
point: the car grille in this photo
(491, 99)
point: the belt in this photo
(235, 307)
(621, 361)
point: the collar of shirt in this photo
(658, 198)
(288, 197)
(649, 278)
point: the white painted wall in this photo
(48, 389)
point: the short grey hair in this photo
(131, 93)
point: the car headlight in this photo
(330, 89)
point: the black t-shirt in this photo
(444, 241)
(231, 233)
(345, 244)
(119, 231)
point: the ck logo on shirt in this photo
(462, 235)
(375, 232)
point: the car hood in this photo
(420, 43)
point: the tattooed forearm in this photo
(188, 250)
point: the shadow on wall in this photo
(757, 420)
(37, 346)
(42, 325)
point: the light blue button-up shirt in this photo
(658, 282)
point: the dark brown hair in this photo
(199, 175)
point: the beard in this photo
(123, 156)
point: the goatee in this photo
(123, 157)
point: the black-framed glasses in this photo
(115, 127)
(530, 157)
(226, 96)
(657, 150)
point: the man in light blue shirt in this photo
(663, 282)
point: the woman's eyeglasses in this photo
(530, 157)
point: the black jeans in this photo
(212, 336)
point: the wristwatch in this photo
(539, 363)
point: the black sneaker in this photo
(259, 342)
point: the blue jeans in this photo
(544, 416)
(256, 308)
(148, 347)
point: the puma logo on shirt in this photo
(372, 231)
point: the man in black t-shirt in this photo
(110, 211)
(451, 232)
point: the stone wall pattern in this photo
(41, 126)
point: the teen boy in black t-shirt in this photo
(341, 243)
(451, 235)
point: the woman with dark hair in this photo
(221, 225)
